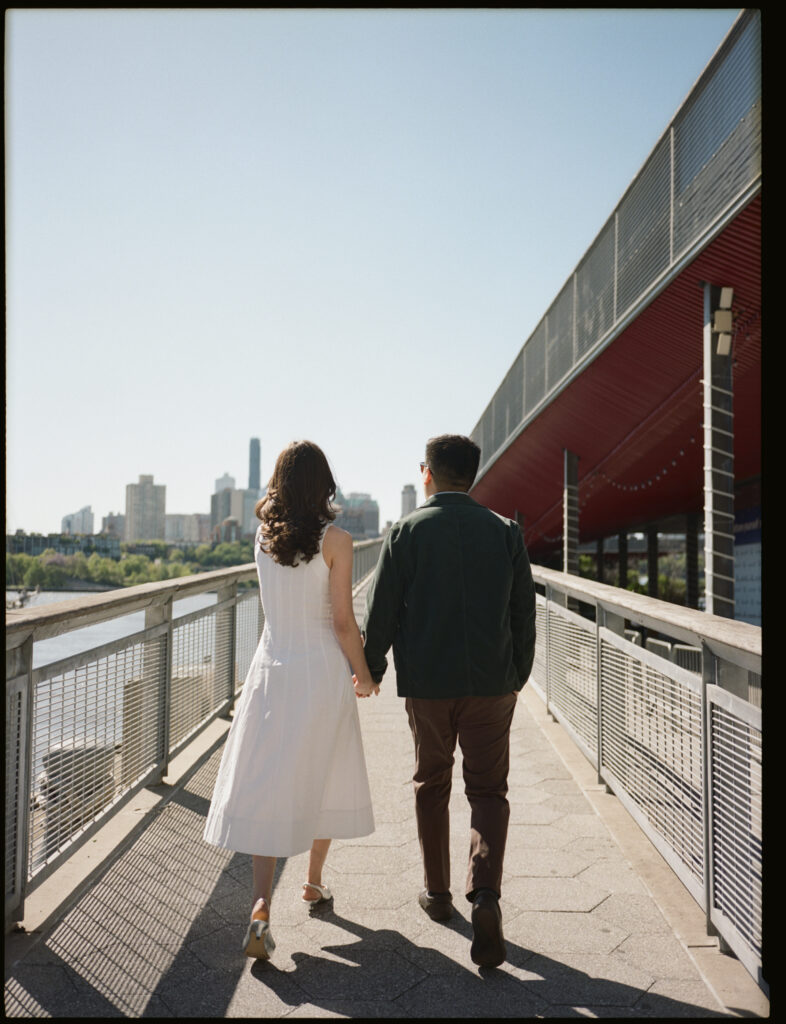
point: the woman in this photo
(293, 775)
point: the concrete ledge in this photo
(724, 975)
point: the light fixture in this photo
(726, 296)
(724, 344)
(722, 321)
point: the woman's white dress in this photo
(293, 768)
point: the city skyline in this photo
(335, 225)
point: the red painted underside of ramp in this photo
(634, 416)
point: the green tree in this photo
(35, 575)
(77, 566)
(105, 570)
(136, 569)
(203, 553)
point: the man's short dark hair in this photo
(453, 460)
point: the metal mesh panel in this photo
(539, 664)
(651, 740)
(95, 732)
(499, 418)
(595, 291)
(486, 443)
(572, 675)
(660, 647)
(14, 796)
(201, 658)
(754, 689)
(248, 630)
(737, 823)
(643, 229)
(535, 367)
(687, 657)
(717, 138)
(559, 337)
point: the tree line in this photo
(52, 570)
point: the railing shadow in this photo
(159, 936)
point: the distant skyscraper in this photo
(114, 525)
(145, 510)
(369, 510)
(225, 482)
(78, 522)
(409, 499)
(253, 464)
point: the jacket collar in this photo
(449, 498)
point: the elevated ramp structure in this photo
(640, 387)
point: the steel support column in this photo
(622, 560)
(599, 561)
(692, 560)
(570, 513)
(718, 456)
(652, 561)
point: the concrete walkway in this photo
(596, 924)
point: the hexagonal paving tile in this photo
(542, 837)
(614, 873)
(582, 978)
(560, 933)
(554, 894)
(582, 824)
(550, 864)
(355, 971)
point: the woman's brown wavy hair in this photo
(297, 504)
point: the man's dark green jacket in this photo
(453, 593)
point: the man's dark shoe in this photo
(488, 946)
(438, 905)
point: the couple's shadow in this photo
(381, 973)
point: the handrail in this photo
(673, 729)
(86, 732)
(727, 638)
(46, 621)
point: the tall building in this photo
(234, 503)
(192, 528)
(114, 525)
(369, 511)
(78, 522)
(409, 500)
(145, 510)
(225, 482)
(253, 464)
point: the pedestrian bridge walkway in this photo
(596, 923)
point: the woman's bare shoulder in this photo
(336, 542)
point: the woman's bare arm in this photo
(337, 552)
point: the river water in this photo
(47, 651)
(80, 714)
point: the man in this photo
(453, 593)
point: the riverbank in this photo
(69, 584)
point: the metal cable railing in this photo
(85, 733)
(676, 738)
(703, 170)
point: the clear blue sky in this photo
(335, 225)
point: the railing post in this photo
(160, 667)
(19, 745)
(707, 679)
(226, 622)
(549, 600)
(616, 623)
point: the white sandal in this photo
(325, 895)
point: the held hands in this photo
(365, 689)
